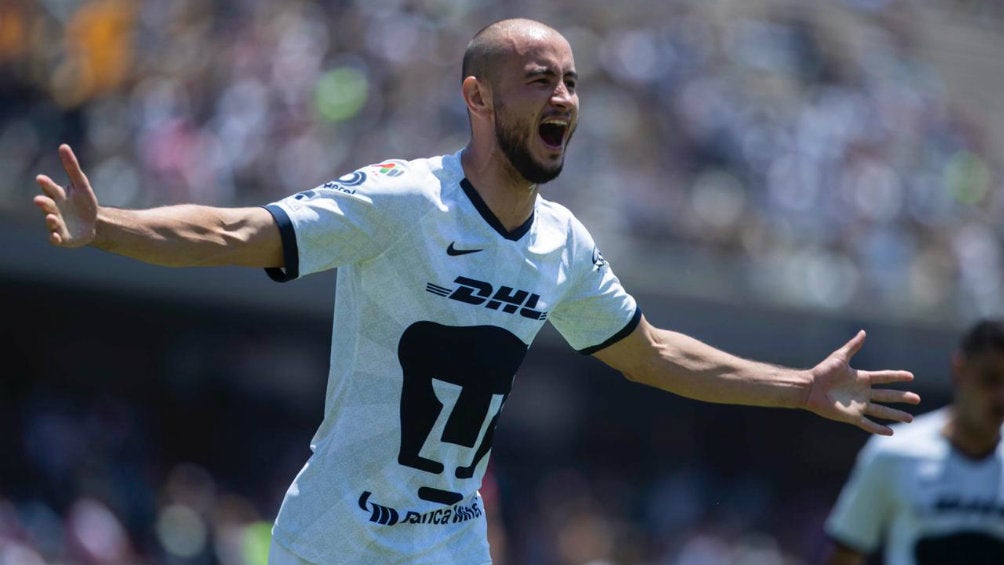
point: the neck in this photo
(508, 195)
(972, 440)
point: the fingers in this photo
(852, 346)
(886, 377)
(887, 396)
(72, 167)
(46, 204)
(53, 222)
(874, 428)
(50, 188)
(886, 413)
(54, 237)
(53, 219)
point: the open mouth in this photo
(552, 133)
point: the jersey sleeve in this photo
(344, 221)
(860, 516)
(597, 311)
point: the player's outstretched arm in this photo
(832, 389)
(182, 235)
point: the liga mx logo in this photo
(390, 169)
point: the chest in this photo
(953, 488)
(453, 269)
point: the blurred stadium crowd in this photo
(805, 157)
(810, 142)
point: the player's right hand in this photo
(71, 213)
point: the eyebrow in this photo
(543, 71)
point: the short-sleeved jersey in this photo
(436, 304)
(926, 502)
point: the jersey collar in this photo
(489, 217)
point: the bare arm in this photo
(832, 389)
(182, 235)
(190, 235)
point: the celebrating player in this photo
(448, 267)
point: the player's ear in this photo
(477, 96)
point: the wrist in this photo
(99, 236)
(805, 381)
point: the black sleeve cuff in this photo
(290, 252)
(627, 329)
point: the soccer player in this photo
(447, 268)
(934, 493)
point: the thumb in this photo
(78, 180)
(852, 347)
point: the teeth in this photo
(563, 123)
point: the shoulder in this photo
(398, 176)
(559, 225)
(555, 214)
(558, 221)
(391, 184)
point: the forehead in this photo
(539, 50)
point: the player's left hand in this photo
(845, 394)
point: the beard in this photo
(514, 141)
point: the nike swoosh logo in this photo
(453, 252)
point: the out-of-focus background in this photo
(767, 176)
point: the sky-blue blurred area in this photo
(766, 175)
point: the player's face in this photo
(980, 394)
(536, 107)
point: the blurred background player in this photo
(934, 493)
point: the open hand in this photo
(843, 393)
(70, 213)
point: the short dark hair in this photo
(488, 46)
(984, 336)
(479, 56)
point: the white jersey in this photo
(926, 502)
(436, 305)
